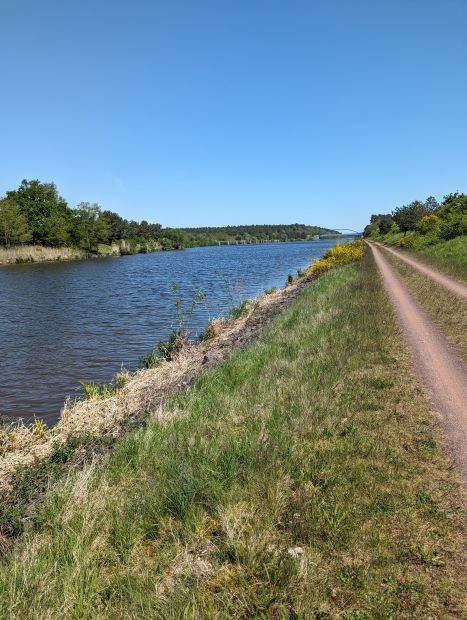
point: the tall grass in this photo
(301, 479)
(449, 256)
(38, 253)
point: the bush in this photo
(429, 224)
(151, 360)
(238, 311)
(454, 225)
(339, 255)
(176, 341)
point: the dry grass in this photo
(446, 309)
(143, 391)
(301, 479)
(35, 254)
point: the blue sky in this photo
(194, 113)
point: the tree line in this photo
(427, 221)
(254, 232)
(36, 213)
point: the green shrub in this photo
(238, 311)
(173, 345)
(151, 360)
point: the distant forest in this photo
(36, 213)
(255, 232)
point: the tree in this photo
(37, 202)
(56, 231)
(408, 216)
(370, 229)
(13, 224)
(91, 226)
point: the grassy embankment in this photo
(303, 478)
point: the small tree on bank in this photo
(91, 226)
(13, 225)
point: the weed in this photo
(238, 311)
(93, 390)
(38, 427)
(121, 379)
(150, 360)
(208, 333)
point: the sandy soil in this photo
(453, 285)
(438, 363)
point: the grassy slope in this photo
(301, 479)
(448, 256)
(446, 309)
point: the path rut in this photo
(452, 285)
(439, 365)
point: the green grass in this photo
(449, 256)
(300, 479)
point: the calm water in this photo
(63, 323)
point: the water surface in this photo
(63, 323)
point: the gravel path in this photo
(453, 285)
(439, 365)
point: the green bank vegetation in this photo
(36, 214)
(303, 478)
(437, 232)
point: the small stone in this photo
(295, 551)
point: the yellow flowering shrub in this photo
(338, 255)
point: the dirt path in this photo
(437, 362)
(455, 287)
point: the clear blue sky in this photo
(217, 112)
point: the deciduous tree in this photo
(13, 224)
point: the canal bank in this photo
(301, 476)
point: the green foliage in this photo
(168, 348)
(150, 360)
(370, 230)
(423, 223)
(14, 227)
(91, 226)
(260, 232)
(94, 391)
(407, 216)
(238, 311)
(38, 202)
(49, 220)
(383, 221)
(57, 231)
